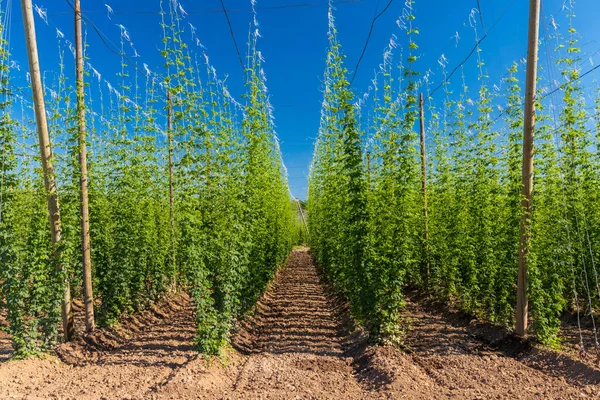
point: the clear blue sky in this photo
(294, 43)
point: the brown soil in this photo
(572, 338)
(471, 360)
(297, 345)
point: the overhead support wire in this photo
(485, 35)
(231, 10)
(237, 49)
(368, 38)
(570, 82)
(102, 36)
(480, 16)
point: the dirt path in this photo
(297, 345)
(294, 347)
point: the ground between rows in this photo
(298, 343)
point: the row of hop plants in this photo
(231, 223)
(366, 202)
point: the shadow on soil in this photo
(553, 363)
(5, 348)
(156, 337)
(5, 342)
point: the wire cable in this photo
(368, 38)
(237, 49)
(480, 16)
(279, 7)
(474, 48)
(572, 81)
(101, 35)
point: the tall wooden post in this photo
(171, 174)
(424, 185)
(46, 157)
(527, 182)
(369, 171)
(88, 296)
(302, 216)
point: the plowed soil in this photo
(298, 344)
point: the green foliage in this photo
(356, 229)
(233, 223)
(233, 215)
(29, 282)
(367, 222)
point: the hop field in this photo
(151, 245)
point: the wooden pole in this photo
(302, 216)
(88, 296)
(46, 157)
(424, 184)
(527, 182)
(171, 177)
(369, 171)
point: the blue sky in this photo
(294, 45)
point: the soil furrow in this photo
(298, 351)
(298, 344)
